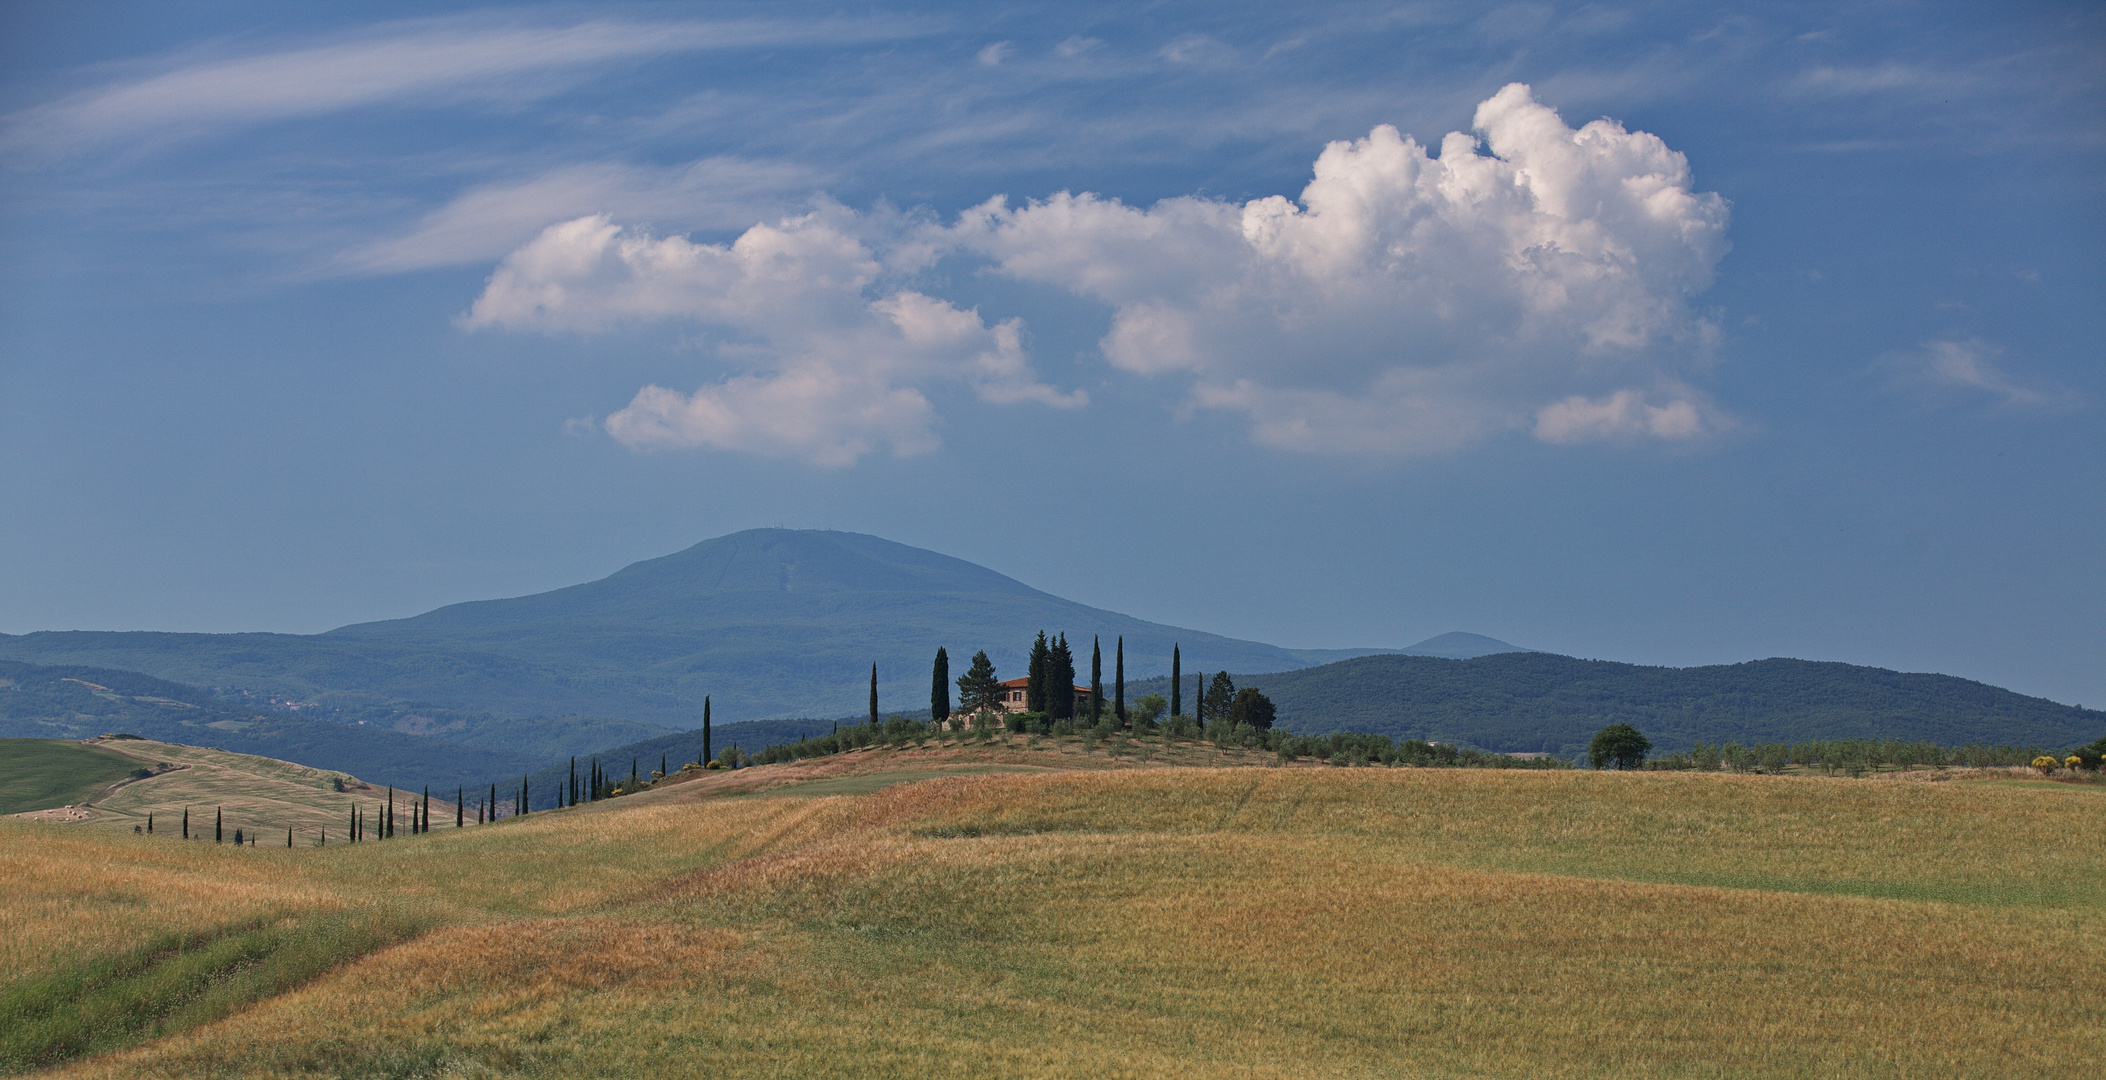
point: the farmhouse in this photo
(1013, 696)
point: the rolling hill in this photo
(1527, 701)
(769, 622)
(45, 702)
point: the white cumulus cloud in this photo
(1532, 277)
(833, 361)
(1409, 302)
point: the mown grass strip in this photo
(178, 981)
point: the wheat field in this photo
(1148, 922)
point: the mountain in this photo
(768, 622)
(1457, 645)
(1529, 701)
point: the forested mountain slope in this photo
(1527, 701)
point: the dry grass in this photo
(1171, 923)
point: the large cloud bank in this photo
(1540, 279)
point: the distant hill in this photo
(1527, 701)
(1457, 646)
(769, 622)
(71, 702)
(250, 792)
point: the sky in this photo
(1663, 333)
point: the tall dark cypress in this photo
(460, 806)
(940, 689)
(1199, 697)
(1096, 679)
(661, 764)
(526, 803)
(186, 823)
(219, 825)
(149, 823)
(1177, 683)
(873, 695)
(705, 732)
(1060, 680)
(574, 780)
(1035, 683)
(387, 822)
(1119, 681)
(424, 819)
(288, 838)
(493, 802)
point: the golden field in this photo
(1025, 917)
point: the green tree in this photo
(1060, 680)
(873, 693)
(705, 734)
(1251, 708)
(1148, 710)
(1035, 681)
(1177, 682)
(1119, 681)
(1096, 678)
(1221, 696)
(940, 689)
(1618, 746)
(977, 689)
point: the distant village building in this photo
(1013, 696)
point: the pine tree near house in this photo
(940, 689)
(1119, 681)
(977, 688)
(1177, 683)
(1035, 681)
(873, 695)
(1096, 679)
(1060, 680)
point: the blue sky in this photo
(1668, 333)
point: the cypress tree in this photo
(460, 806)
(288, 838)
(149, 823)
(352, 825)
(424, 819)
(219, 825)
(574, 779)
(1177, 683)
(238, 838)
(526, 804)
(661, 764)
(1119, 681)
(1060, 680)
(186, 823)
(387, 820)
(705, 732)
(873, 695)
(493, 802)
(632, 774)
(1035, 678)
(1096, 679)
(1199, 698)
(940, 689)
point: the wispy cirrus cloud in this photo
(484, 223)
(1969, 368)
(424, 62)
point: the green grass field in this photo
(37, 774)
(1098, 921)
